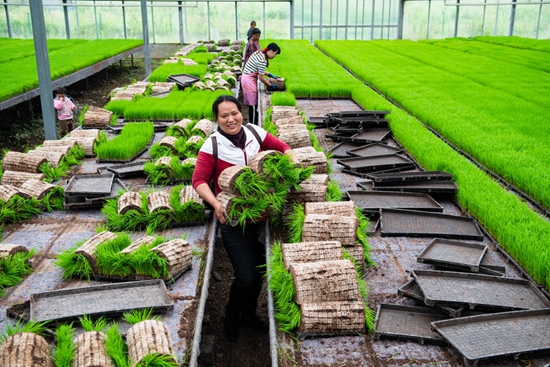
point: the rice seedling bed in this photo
(131, 143)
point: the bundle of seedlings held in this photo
(23, 343)
(167, 170)
(109, 255)
(29, 199)
(14, 265)
(154, 210)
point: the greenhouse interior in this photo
(275, 183)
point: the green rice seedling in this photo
(295, 222)
(14, 267)
(287, 312)
(90, 325)
(115, 345)
(283, 99)
(145, 262)
(162, 73)
(52, 173)
(34, 327)
(361, 234)
(132, 220)
(276, 199)
(191, 149)
(82, 114)
(159, 220)
(191, 211)
(247, 209)
(76, 154)
(178, 132)
(156, 151)
(133, 138)
(363, 290)
(281, 169)
(161, 174)
(135, 316)
(269, 126)
(200, 49)
(17, 209)
(64, 351)
(74, 265)
(249, 184)
(107, 253)
(200, 57)
(333, 191)
(53, 200)
(158, 360)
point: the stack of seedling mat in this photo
(327, 288)
(358, 126)
(370, 202)
(91, 191)
(136, 89)
(108, 256)
(347, 149)
(483, 316)
(97, 118)
(293, 131)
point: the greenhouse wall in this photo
(172, 21)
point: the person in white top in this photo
(254, 69)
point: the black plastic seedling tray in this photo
(183, 80)
(346, 130)
(374, 149)
(476, 291)
(453, 254)
(407, 323)
(128, 169)
(102, 300)
(377, 163)
(372, 201)
(502, 334)
(398, 222)
(158, 126)
(428, 187)
(90, 185)
(381, 178)
(340, 150)
(90, 202)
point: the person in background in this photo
(253, 70)
(65, 109)
(253, 45)
(249, 33)
(234, 144)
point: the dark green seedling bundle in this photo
(17, 209)
(280, 168)
(164, 171)
(33, 327)
(188, 205)
(64, 351)
(74, 265)
(295, 222)
(13, 268)
(181, 129)
(53, 199)
(333, 191)
(131, 220)
(115, 345)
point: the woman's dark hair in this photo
(225, 98)
(60, 90)
(273, 47)
(256, 31)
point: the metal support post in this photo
(43, 65)
(124, 20)
(145, 26)
(347, 18)
(428, 22)
(8, 19)
(95, 18)
(321, 19)
(180, 19)
(208, 18)
(456, 18)
(292, 19)
(372, 19)
(400, 17)
(512, 19)
(66, 14)
(236, 23)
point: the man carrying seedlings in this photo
(233, 144)
(254, 69)
(65, 108)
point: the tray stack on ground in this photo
(482, 316)
(327, 289)
(348, 149)
(127, 170)
(291, 128)
(434, 182)
(97, 118)
(370, 202)
(91, 191)
(130, 92)
(358, 126)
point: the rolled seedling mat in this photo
(148, 337)
(188, 194)
(145, 240)
(128, 201)
(322, 281)
(256, 163)
(281, 112)
(88, 133)
(164, 161)
(58, 143)
(87, 145)
(63, 149)
(159, 200)
(25, 350)
(287, 128)
(226, 199)
(308, 193)
(296, 139)
(170, 142)
(302, 252)
(123, 95)
(357, 252)
(7, 249)
(90, 350)
(279, 82)
(182, 124)
(316, 159)
(88, 249)
(228, 176)
(16, 178)
(9, 191)
(295, 120)
(332, 317)
(192, 161)
(317, 179)
(407, 323)
(205, 126)
(53, 158)
(22, 162)
(97, 117)
(223, 42)
(36, 189)
(178, 253)
(195, 139)
(323, 227)
(344, 208)
(210, 47)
